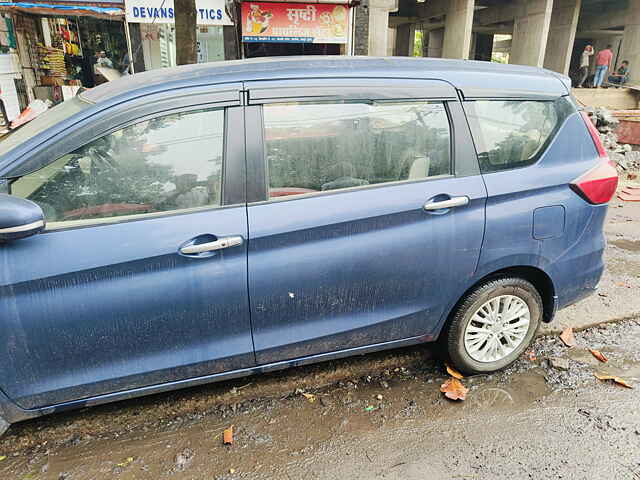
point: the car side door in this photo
(366, 212)
(123, 289)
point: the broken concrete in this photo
(621, 154)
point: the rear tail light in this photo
(595, 136)
(599, 184)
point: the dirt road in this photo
(379, 416)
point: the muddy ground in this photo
(530, 421)
(381, 415)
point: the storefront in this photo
(295, 28)
(152, 32)
(61, 48)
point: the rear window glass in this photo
(315, 147)
(511, 133)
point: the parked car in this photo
(195, 224)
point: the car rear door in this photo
(130, 285)
(366, 212)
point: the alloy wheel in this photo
(497, 328)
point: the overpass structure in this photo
(542, 33)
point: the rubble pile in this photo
(622, 154)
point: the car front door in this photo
(127, 286)
(368, 218)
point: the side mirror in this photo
(19, 218)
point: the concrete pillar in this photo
(405, 40)
(530, 32)
(631, 42)
(457, 29)
(379, 25)
(434, 44)
(562, 35)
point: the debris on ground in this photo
(568, 338)
(622, 154)
(559, 363)
(227, 436)
(453, 372)
(599, 355)
(630, 194)
(454, 389)
(309, 396)
(618, 380)
(183, 460)
(125, 463)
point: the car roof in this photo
(472, 78)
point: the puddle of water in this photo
(622, 365)
(272, 433)
(630, 245)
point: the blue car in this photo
(195, 224)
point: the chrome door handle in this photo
(452, 202)
(211, 246)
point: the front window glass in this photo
(329, 146)
(160, 165)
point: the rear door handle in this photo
(452, 202)
(211, 246)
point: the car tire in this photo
(482, 336)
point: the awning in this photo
(111, 13)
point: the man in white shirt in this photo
(584, 64)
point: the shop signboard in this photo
(208, 12)
(294, 22)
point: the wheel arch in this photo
(536, 276)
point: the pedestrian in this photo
(584, 64)
(622, 74)
(603, 63)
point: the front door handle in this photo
(211, 246)
(452, 202)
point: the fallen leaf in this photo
(453, 372)
(567, 337)
(232, 470)
(227, 436)
(618, 380)
(3, 457)
(126, 462)
(599, 355)
(309, 396)
(454, 389)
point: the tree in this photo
(185, 18)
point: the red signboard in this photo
(294, 22)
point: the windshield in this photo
(41, 123)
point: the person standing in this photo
(584, 64)
(603, 63)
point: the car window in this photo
(510, 134)
(315, 147)
(165, 164)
